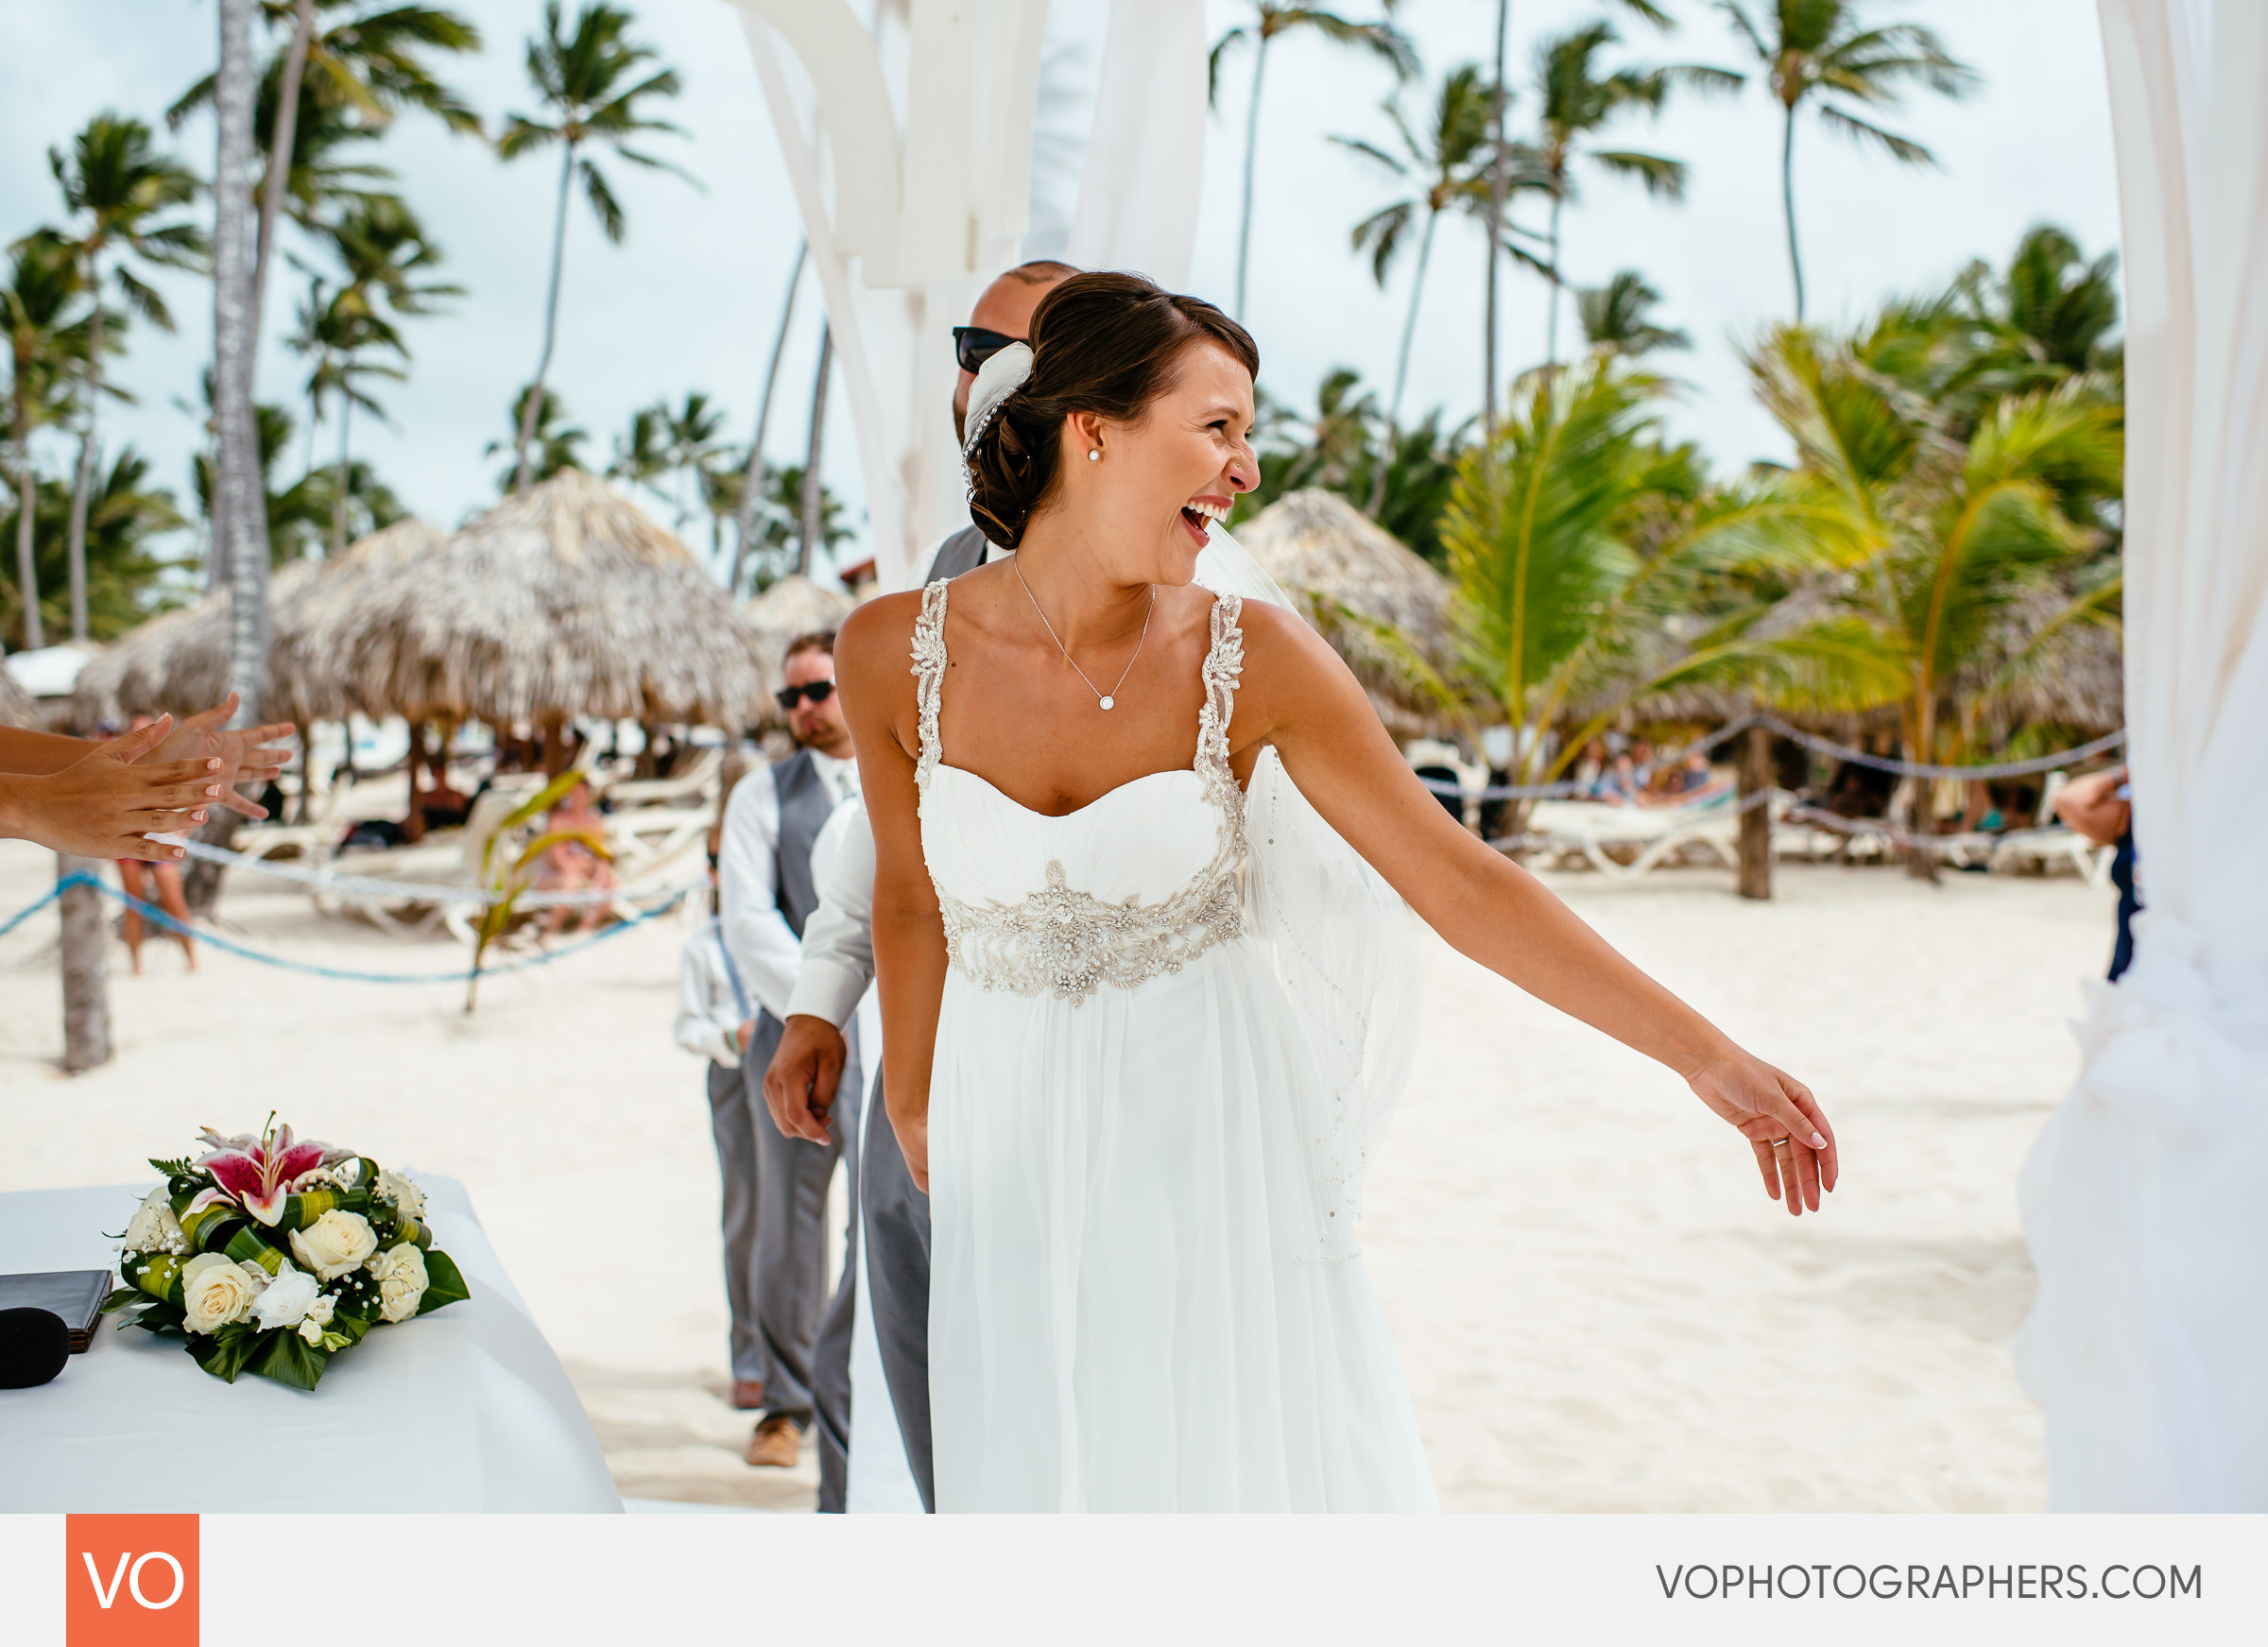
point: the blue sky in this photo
(691, 299)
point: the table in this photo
(466, 1409)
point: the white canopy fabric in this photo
(909, 148)
(2148, 1343)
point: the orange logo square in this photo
(130, 1581)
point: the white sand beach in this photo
(1598, 1308)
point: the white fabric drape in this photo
(2148, 1343)
(911, 203)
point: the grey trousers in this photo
(791, 1300)
(896, 1229)
(733, 1125)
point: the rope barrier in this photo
(344, 975)
(424, 891)
(1811, 740)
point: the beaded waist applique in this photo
(1069, 943)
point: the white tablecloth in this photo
(465, 1408)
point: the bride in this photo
(1118, 1053)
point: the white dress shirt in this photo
(708, 1013)
(838, 939)
(762, 943)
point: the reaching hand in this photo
(1795, 1146)
(800, 1087)
(103, 805)
(244, 759)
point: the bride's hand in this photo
(1783, 1123)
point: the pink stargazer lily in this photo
(256, 1173)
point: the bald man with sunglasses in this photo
(815, 1065)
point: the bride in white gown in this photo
(1138, 1131)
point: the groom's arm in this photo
(838, 964)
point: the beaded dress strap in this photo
(1223, 665)
(929, 679)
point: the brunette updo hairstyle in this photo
(1107, 343)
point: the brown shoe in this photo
(747, 1394)
(777, 1444)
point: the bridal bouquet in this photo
(273, 1254)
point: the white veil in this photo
(1343, 943)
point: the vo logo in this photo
(130, 1580)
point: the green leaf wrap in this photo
(248, 1245)
(158, 1274)
(285, 1357)
(445, 1283)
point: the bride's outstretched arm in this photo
(871, 663)
(1296, 695)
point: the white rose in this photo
(319, 1311)
(334, 1243)
(214, 1292)
(287, 1301)
(404, 1195)
(311, 1330)
(155, 1228)
(399, 1272)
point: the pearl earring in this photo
(1094, 455)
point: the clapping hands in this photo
(253, 755)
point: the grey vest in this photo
(804, 805)
(962, 552)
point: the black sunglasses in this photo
(810, 692)
(972, 346)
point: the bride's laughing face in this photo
(1173, 472)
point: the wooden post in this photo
(1756, 815)
(554, 746)
(413, 826)
(86, 970)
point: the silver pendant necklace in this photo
(1108, 699)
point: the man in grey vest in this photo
(812, 1061)
(765, 894)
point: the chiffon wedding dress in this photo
(1155, 1083)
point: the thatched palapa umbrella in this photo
(342, 628)
(1336, 562)
(177, 663)
(566, 601)
(794, 606)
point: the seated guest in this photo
(575, 866)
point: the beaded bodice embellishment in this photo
(1067, 943)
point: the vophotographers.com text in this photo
(1887, 1581)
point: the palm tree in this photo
(123, 194)
(542, 443)
(384, 252)
(1270, 18)
(47, 339)
(584, 84)
(240, 525)
(348, 68)
(693, 430)
(1444, 165)
(1958, 532)
(124, 514)
(1575, 101)
(641, 453)
(748, 492)
(1816, 50)
(1618, 317)
(2049, 318)
(1585, 587)
(296, 516)
(811, 515)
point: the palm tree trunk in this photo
(28, 576)
(85, 969)
(1921, 862)
(1243, 232)
(280, 143)
(1787, 204)
(82, 484)
(813, 494)
(338, 492)
(751, 483)
(551, 324)
(1551, 327)
(1499, 166)
(239, 493)
(1409, 327)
